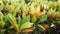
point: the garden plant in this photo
(29, 17)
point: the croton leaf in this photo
(50, 12)
(42, 18)
(41, 27)
(6, 18)
(2, 23)
(27, 30)
(13, 18)
(34, 19)
(26, 25)
(1, 16)
(17, 8)
(57, 20)
(2, 5)
(11, 7)
(58, 8)
(25, 19)
(14, 25)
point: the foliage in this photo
(32, 16)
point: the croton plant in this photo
(29, 17)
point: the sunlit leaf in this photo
(12, 18)
(41, 27)
(2, 5)
(26, 25)
(34, 19)
(2, 23)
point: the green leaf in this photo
(50, 12)
(34, 19)
(26, 25)
(2, 23)
(13, 18)
(6, 18)
(17, 8)
(19, 21)
(58, 8)
(2, 5)
(33, 9)
(43, 18)
(41, 27)
(1, 16)
(11, 7)
(25, 19)
(57, 20)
